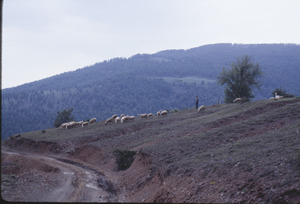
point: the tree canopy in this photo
(63, 117)
(239, 80)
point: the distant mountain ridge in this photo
(138, 84)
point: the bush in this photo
(124, 158)
(63, 117)
(281, 92)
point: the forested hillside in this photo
(144, 83)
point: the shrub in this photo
(281, 92)
(63, 117)
(124, 158)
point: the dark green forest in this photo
(145, 83)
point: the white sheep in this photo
(149, 115)
(143, 115)
(122, 115)
(84, 124)
(158, 113)
(71, 125)
(131, 117)
(114, 116)
(123, 119)
(79, 123)
(64, 125)
(93, 120)
(277, 96)
(117, 119)
(164, 112)
(237, 100)
(201, 108)
(109, 120)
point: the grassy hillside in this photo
(165, 80)
(227, 153)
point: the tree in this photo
(240, 79)
(63, 117)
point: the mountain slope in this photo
(227, 153)
(144, 83)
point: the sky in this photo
(42, 38)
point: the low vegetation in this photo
(124, 158)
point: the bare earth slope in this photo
(228, 153)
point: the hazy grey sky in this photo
(42, 38)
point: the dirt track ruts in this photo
(79, 183)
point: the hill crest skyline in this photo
(162, 52)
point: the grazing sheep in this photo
(201, 108)
(71, 125)
(131, 117)
(158, 113)
(67, 125)
(237, 100)
(143, 115)
(84, 124)
(124, 118)
(109, 120)
(277, 96)
(93, 120)
(63, 126)
(149, 115)
(79, 123)
(117, 119)
(164, 112)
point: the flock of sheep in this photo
(122, 118)
(73, 124)
(113, 119)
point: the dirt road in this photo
(77, 182)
